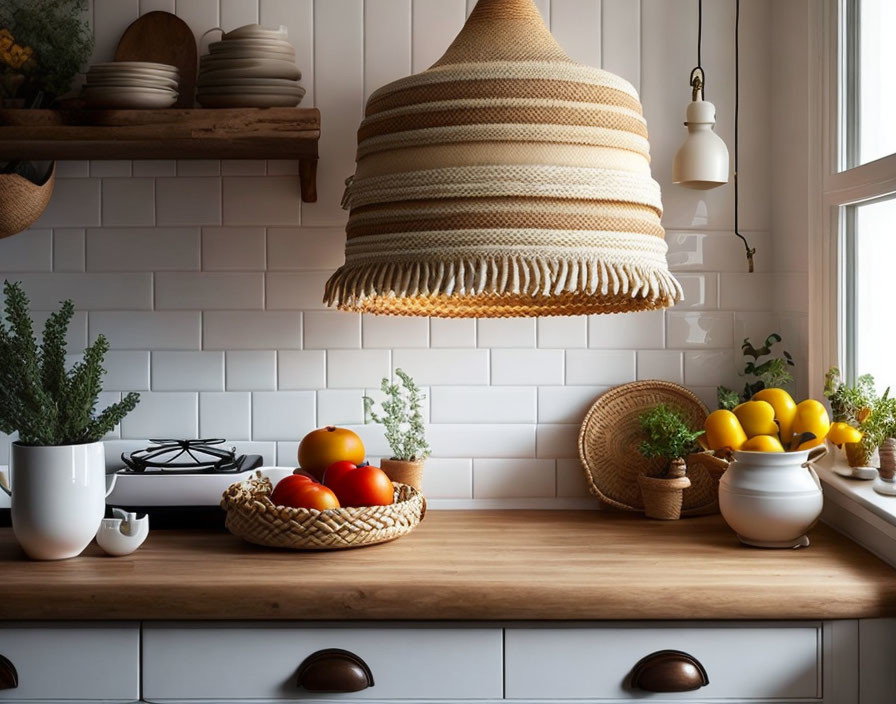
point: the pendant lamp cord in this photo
(698, 77)
(750, 250)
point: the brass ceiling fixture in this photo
(504, 181)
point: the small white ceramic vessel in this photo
(771, 499)
(122, 534)
(58, 498)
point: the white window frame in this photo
(851, 506)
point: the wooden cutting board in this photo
(166, 39)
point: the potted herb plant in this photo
(667, 437)
(59, 483)
(402, 417)
(770, 373)
(859, 406)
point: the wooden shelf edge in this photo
(232, 133)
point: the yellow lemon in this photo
(785, 410)
(757, 418)
(841, 433)
(723, 430)
(762, 443)
(811, 417)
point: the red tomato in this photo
(299, 491)
(359, 486)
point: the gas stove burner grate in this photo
(170, 455)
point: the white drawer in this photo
(74, 662)
(749, 662)
(215, 662)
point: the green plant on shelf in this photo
(42, 400)
(771, 373)
(667, 435)
(860, 406)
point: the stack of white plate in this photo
(251, 67)
(131, 84)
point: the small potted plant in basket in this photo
(668, 438)
(402, 418)
(59, 463)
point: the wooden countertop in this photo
(466, 565)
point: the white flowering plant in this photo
(402, 417)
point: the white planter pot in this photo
(58, 498)
(771, 499)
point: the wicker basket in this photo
(22, 202)
(608, 447)
(253, 517)
(662, 497)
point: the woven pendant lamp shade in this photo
(506, 180)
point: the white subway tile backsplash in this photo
(163, 415)
(128, 201)
(340, 407)
(287, 454)
(142, 249)
(283, 167)
(483, 404)
(200, 15)
(747, 292)
(225, 415)
(76, 339)
(148, 330)
(600, 367)
(446, 366)
(716, 251)
(301, 369)
(374, 439)
(452, 332)
(117, 168)
(154, 167)
(88, 291)
(237, 13)
(620, 39)
(302, 291)
(628, 331)
(571, 481)
(298, 18)
(387, 42)
(505, 332)
(557, 441)
(517, 479)
(267, 450)
(244, 167)
(357, 369)
(482, 440)
(563, 332)
(198, 167)
(250, 370)
(757, 327)
(701, 291)
(192, 370)
(521, 367)
(660, 364)
(305, 248)
(188, 201)
(233, 249)
(72, 169)
(282, 414)
(251, 330)
(326, 329)
(448, 478)
(31, 250)
(126, 370)
(704, 329)
(393, 331)
(566, 404)
(709, 368)
(75, 203)
(209, 291)
(576, 26)
(68, 249)
(261, 200)
(110, 19)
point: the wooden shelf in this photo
(237, 133)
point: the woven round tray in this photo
(609, 439)
(253, 517)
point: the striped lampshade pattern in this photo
(506, 180)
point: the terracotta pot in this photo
(662, 496)
(410, 473)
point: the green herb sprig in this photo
(771, 373)
(402, 418)
(667, 435)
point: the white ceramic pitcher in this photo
(58, 497)
(771, 499)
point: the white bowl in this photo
(249, 54)
(145, 65)
(132, 82)
(257, 100)
(133, 73)
(251, 90)
(133, 98)
(213, 79)
(255, 31)
(280, 45)
(246, 68)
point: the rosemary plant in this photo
(40, 399)
(402, 418)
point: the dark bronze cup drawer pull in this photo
(669, 671)
(334, 670)
(9, 678)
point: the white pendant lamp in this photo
(702, 161)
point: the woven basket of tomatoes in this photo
(253, 516)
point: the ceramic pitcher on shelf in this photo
(58, 497)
